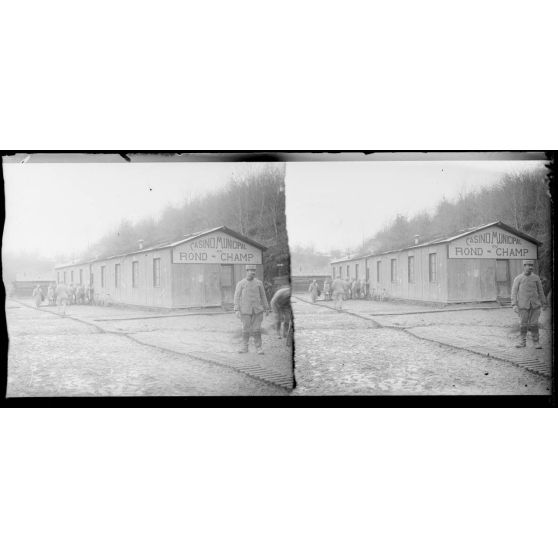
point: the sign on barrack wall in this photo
(218, 248)
(493, 243)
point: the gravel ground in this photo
(53, 356)
(341, 354)
(214, 333)
(493, 329)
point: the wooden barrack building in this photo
(200, 270)
(477, 265)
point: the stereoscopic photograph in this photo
(383, 274)
(146, 276)
(422, 274)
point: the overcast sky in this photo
(54, 209)
(337, 205)
(59, 209)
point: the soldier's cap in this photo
(250, 267)
(525, 262)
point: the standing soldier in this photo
(354, 284)
(527, 298)
(91, 294)
(338, 288)
(313, 289)
(357, 288)
(71, 293)
(327, 289)
(50, 294)
(38, 295)
(348, 291)
(80, 294)
(250, 303)
(62, 296)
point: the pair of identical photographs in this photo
(281, 278)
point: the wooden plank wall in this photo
(187, 285)
(59, 274)
(199, 285)
(422, 288)
(181, 285)
(352, 267)
(145, 293)
(471, 280)
(516, 268)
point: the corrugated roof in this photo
(350, 258)
(445, 238)
(170, 244)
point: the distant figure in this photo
(51, 294)
(314, 290)
(527, 298)
(327, 289)
(250, 303)
(364, 288)
(348, 291)
(71, 294)
(338, 288)
(38, 295)
(91, 295)
(356, 288)
(282, 312)
(62, 296)
(80, 294)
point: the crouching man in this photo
(250, 303)
(281, 307)
(527, 297)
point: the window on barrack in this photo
(411, 277)
(156, 272)
(433, 268)
(135, 274)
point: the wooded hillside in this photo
(252, 204)
(521, 200)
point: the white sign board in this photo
(217, 248)
(493, 243)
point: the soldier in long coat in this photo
(38, 295)
(356, 288)
(62, 296)
(314, 290)
(250, 303)
(327, 289)
(51, 294)
(338, 288)
(527, 299)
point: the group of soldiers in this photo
(250, 302)
(63, 295)
(339, 290)
(527, 297)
